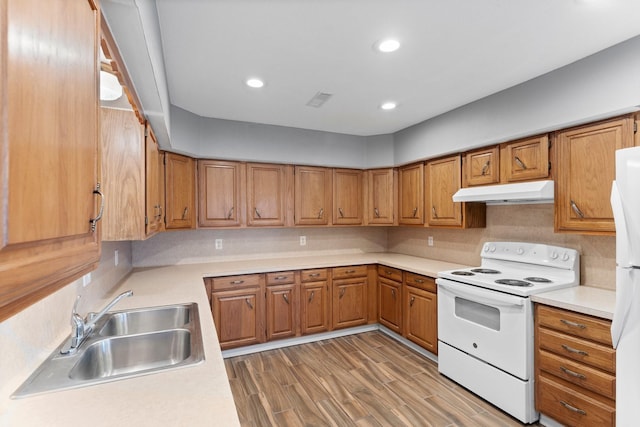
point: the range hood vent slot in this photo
(519, 193)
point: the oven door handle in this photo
(484, 296)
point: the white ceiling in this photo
(453, 52)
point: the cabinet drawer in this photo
(314, 275)
(390, 273)
(235, 282)
(578, 349)
(591, 328)
(280, 278)
(351, 271)
(419, 281)
(577, 373)
(572, 408)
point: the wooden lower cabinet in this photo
(314, 301)
(390, 298)
(421, 311)
(575, 368)
(282, 311)
(349, 297)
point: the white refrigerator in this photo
(625, 329)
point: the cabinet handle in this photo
(435, 214)
(376, 212)
(94, 221)
(413, 299)
(520, 162)
(349, 271)
(248, 303)
(314, 275)
(184, 212)
(485, 168)
(280, 278)
(573, 374)
(573, 350)
(576, 209)
(342, 291)
(160, 209)
(237, 282)
(286, 298)
(572, 408)
(393, 293)
(257, 213)
(320, 213)
(388, 272)
(313, 293)
(573, 324)
(419, 281)
(230, 213)
(341, 213)
(415, 211)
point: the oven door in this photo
(492, 326)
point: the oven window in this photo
(480, 314)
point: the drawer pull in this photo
(572, 408)
(573, 374)
(520, 163)
(285, 298)
(388, 272)
(280, 278)
(237, 282)
(314, 275)
(349, 271)
(249, 303)
(313, 293)
(342, 291)
(573, 324)
(419, 281)
(573, 350)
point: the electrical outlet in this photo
(303, 240)
(115, 258)
(218, 243)
(430, 241)
(86, 279)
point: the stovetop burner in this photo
(513, 282)
(485, 270)
(538, 279)
(462, 273)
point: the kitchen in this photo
(559, 99)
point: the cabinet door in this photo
(381, 196)
(49, 146)
(443, 180)
(314, 307)
(481, 167)
(282, 311)
(349, 302)
(586, 168)
(220, 193)
(390, 304)
(421, 318)
(526, 159)
(312, 195)
(239, 317)
(266, 194)
(347, 196)
(411, 189)
(180, 191)
(123, 159)
(154, 218)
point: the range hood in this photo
(519, 193)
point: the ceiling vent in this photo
(319, 99)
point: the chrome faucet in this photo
(81, 328)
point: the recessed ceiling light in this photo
(255, 83)
(388, 105)
(387, 45)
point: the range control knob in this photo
(486, 248)
(520, 251)
(565, 256)
(554, 255)
(492, 248)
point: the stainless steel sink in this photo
(126, 344)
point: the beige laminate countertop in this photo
(191, 396)
(582, 299)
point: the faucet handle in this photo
(78, 330)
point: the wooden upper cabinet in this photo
(442, 181)
(347, 196)
(586, 168)
(220, 192)
(312, 195)
(526, 159)
(382, 193)
(411, 193)
(180, 191)
(267, 194)
(481, 167)
(49, 144)
(154, 218)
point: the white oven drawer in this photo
(494, 327)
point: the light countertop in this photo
(582, 299)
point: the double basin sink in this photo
(124, 344)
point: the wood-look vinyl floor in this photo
(367, 379)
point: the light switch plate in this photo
(218, 243)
